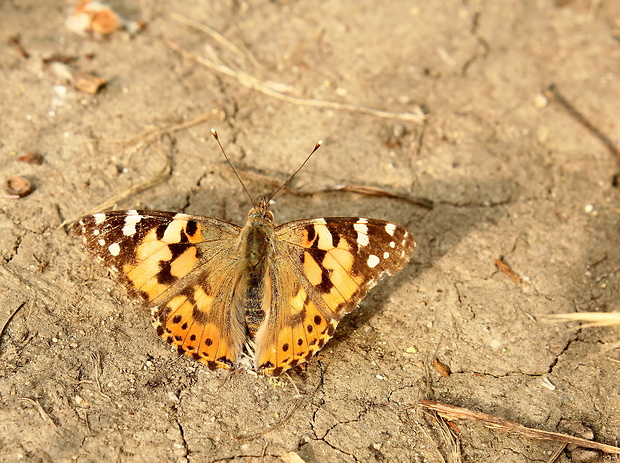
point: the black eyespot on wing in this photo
(191, 227)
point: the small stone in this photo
(540, 101)
(18, 187)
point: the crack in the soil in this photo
(324, 438)
(15, 249)
(182, 433)
(260, 457)
(556, 358)
(486, 204)
(484, 45)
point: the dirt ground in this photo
(514, 177)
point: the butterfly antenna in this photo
(217, 139)
(316, 147)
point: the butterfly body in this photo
(212, 285)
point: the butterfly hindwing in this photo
(324, 268)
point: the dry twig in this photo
(451, 412)
(508, 271)
(10, 317)
(40, 409)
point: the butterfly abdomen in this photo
(256, 251)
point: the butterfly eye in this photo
(261, 211)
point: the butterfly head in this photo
(261, 210)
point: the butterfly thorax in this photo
(256, 249)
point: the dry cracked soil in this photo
(516, 152)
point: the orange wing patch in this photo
(296, 343)
(165, 255)
(185, 322)
(328, 265)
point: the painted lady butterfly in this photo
(213, 285)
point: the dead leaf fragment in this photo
(93, 17)
(32, 158)
(98, 18)
(15, 40)
(508, 271)
(59, 58)
(18, 187)
(89, 83)
(443, 369)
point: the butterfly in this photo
(219, 292)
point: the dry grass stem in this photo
(244, 54)
(252, 82)
(159, 177)
(286, 417)
(594, 318)
(451, 413)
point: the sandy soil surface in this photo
(513, 175)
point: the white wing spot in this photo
(373, 261)
(362, 232)
(392, 244)
(390, 228)
(133, 218)
(129, 229)
(386, 255)
(114, 249)
(101, 242)
(96, 232)
(99, 218)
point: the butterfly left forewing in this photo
(153, 252)
(183, 267)
(323, 270)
